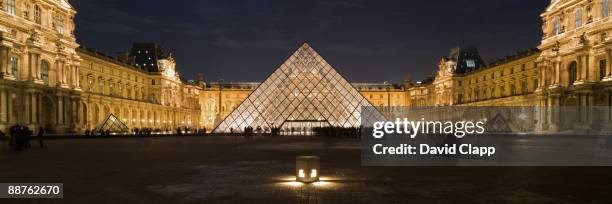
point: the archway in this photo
(96, 114)
(84, 118)
(569, 112)
(47, 113)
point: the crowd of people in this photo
(20, 137)
(331, 132)
(149, 131)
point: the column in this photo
(34, 119)
(609, 63)
(9, 106)
(30, 66)
(63, 75)
(60, 110)
(57, 72)
(74, 112)
(3, 59)
(37, 67)
(557, 73)
(79, 77)
(4, 55)
(586, 68)
(38, 101)
(4, 104)
(543, 75)
(28, 111)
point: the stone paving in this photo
(238, 170)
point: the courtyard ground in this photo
(259, 170)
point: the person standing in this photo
(41, 133)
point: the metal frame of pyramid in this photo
(112, 124)
(304, 88)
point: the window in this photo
(101, 85)
(37, 14)
(556, 27)
(470, 63)
(153, 81)
(14, 66)
(10, 7)
(605, 8)
(59, 23)
(573, 72)
(44, 68)
(602, 69)
(578, 18)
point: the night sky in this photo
(366, 40)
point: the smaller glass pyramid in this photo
(304, 93)
(112, 124)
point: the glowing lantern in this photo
(307, 169)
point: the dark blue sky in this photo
(366, 40)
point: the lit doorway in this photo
(302, 127)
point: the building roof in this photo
(146, 55)
(467, 59)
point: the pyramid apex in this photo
(305, 44)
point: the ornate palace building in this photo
(48, 80)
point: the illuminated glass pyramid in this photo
(304, 92)
(112, 124)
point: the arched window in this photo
(573, 72)
(10, 7)
(37, 14)
(44, 72)
(605, 8)
(578, 18)
(556, 28)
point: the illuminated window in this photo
(556, 27)
(578, 18)
(44, 67)
(37, 18)
(470, 63)
(605, 8)
(10, 7)
(14, 66)
(59, 23)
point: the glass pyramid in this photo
(112, 124)
(304, 92)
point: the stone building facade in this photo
(47, 80)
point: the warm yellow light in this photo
(301, 174)
(313, 173)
